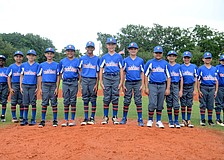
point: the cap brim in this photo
(18, 54)
(49, 51)
(133, 47)
(31, 53)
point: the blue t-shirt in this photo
(3, 75)
(13, 71)
(207, 76)
(220, 74)
(175, 72)
(48, 71)
(133, 68)
(29, 72)
(111, 63)
(157, 70)
(89, 66)
(69, 68)
(189, 73)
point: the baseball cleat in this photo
(115, 120)
(171, 124)
(24, 122)
(55, 123)
(3, 118)
(15, 120)
(184, 123)
(123, 120)
(32, 122)
(159, 124)
(20, 119)
(219, 122)
(177, 125)
(203, 122)
(65, 123)
(105, 120)
(71, 123)
(84, 122)
(140, 122)
(42, 124)
(91, 121)
(189, 124)
(211, 123)
(149, 123)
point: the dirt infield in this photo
(109, 142)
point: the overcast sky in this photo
(78, 21)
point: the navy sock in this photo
(44, 110)
(3, 109)
(73, 110)
(150, 114)
(125, 111)
(189, 113)
(158, 115)
(26, 110)
(66, 110)
(55, 112)
(21, 108)
(218, 114)
(139, 111)
(34, 112)
(183, 108)
(106, 110)
(13, 110)
(93, 109)
(86, 109)
(202, 112)
(115, 110)
(210, 114)
(169, 112)
(176, 113)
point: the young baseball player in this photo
(157, 85)
(111, 78)
(219, 100)
(207, 88)
(68, 68)
(48, 82)
(176, 89)
(29, 86)
(14, 87)
(189, 73)
(3, 86)
(134, 82)
(89, 68)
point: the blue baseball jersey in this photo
(48, 71)
(207, 76)
(220, 74)
(89, 66)
(13, 72)
(69, 68)
(133, 68)
(111, 63)
(189, 73)
(175, 72)
(3, 75)
(29, 72)
(157, 70)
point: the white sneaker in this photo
(64, 124)
(149, 123)
(71, 123)
(159, 124)
(115, 120)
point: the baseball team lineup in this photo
(161, 80)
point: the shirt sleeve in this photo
(60, 67)
(148, 68)
(102, 62)
(9, 71)
(39, 70)
(21, 69)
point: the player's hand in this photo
(41, 92)
(119, 86)
(36, 91)
(101, 85)
(124, 89)
(146, 91)
(200, 94)
(180, 93)
(167, 92)
(21, 90)
(215, 94)
(95, 88)
(194, 93)
(141, 87)
(11, 91)
(56, 92)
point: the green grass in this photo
(99, 113)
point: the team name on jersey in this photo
(3, 74)
(209, 77)
(187, 73)
(221, 74)
(16, 74)
(29, 73)
(133, 68)
(70, 69)
(158, 69)
(89, 65)
(175, 74)
(110, 64)
(49, 71)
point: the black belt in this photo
(89, 77)
(158, 83)
(221, 85)
(112, 74)
(207, 85)
(3, 82)
(70, 79)
(190, 84)
(133, 80)
(175, 83)
(48, 82)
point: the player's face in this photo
(31, 57)
(111, 47)
(207, 60)
(133, 51)
(172, 58)
(90, 50)
(158, 55)
(18, 58)
(2, 62)
(187, 60)
(222, 62)
(70, 53)
(49, 55)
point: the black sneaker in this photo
(55, 123)
(3, 118)
(211, 123)
(84, 122)
(20, 119)
(24, 122)
(42, 124)
(203, 122)
(91, 121)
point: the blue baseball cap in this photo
(158, 49)
(31, 51)
(70, 47)
(2, 57)
(221, 58)
(111, 40)
(207, 55)
(49, 50)
(187, 54)
(133, 45)
(18, 53)
(172, 53)
(90, 44)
